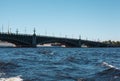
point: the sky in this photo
(92, 19)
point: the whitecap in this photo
(108, 65)
(17, 78)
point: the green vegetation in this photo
(117, 43)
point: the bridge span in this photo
(25, 40)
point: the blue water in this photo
(60, 64)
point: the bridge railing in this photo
(37, 35)
(15, 34)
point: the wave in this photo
(112, 73)
(8, 64)
(17, 78)
(112, 70)
(46, 52)
(108, 65)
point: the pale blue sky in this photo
(92, 19)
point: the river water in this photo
(59, 64)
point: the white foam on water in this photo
(17, 78)
(108, 65)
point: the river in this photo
(59, 64)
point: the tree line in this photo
(117, 43)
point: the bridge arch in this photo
(16, 42)
(62, 42)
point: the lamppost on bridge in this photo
(60, 34)
(17, 31)
(46, 32)
(79, 41)
(2, 29)
(53, 34)
(8, 29)
(80, 37)
(65, 36)
(34, 38)
(72, 36)
(34, 31)
(25, 30)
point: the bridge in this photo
(25, 40)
